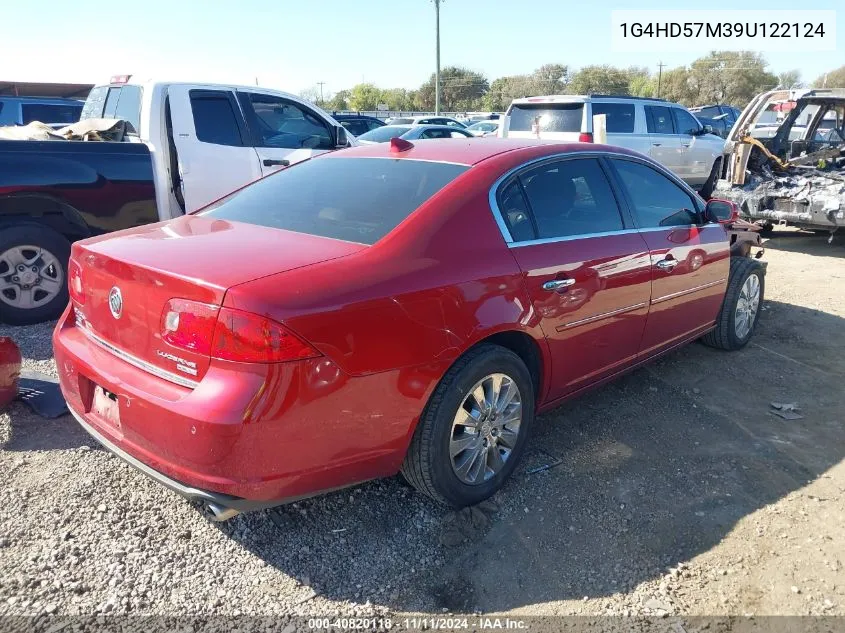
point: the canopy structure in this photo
(38, 89)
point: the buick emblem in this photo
(115, 302)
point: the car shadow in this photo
(794, 241)
(31, 432)
(617, 486)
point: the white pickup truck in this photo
(185, 145)
(208, 140)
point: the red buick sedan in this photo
(388, 308)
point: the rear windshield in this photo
(50, 112)
(384, 133)
(114, 102)
(353, 199)
(558, 117)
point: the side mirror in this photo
(341, 138)
(708, 129)
(721, 211)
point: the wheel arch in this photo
(44, 209)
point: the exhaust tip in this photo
(219, 513)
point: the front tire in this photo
(474, 429)
(33, 274)
(741, 306)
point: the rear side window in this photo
(353, 199)
(558, 117)
(50, 113)
(214, 118)
(571, 197)
(659, 120)
(657, 201)
(619, 116)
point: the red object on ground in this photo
(10, 370)
(237, 362)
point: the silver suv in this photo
(665, 131)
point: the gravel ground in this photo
(674, 491)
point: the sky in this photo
(293, 44)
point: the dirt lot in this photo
(676, 492)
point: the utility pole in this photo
(437, 71)
(321, 83)
(660, 66)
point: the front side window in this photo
(353, 199)
(685, 123)
(284, 124)
(214, 118)
(659, 120)
(571, 197)
(657, 201)
(619, 117)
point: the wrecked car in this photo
(784, 160)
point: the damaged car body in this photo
(784, 160)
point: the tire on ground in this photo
(724, 336)
(427, 464)
(49, 240)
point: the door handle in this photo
(685, 144)
(270, 162)
(558, 284)
(667, 264)
(656, 144)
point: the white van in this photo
(665, 131)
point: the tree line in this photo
(719, 77)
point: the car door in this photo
(689, 259)
(212, 144)
(283, 131)
(666, 146)
(697, 151)
(585, 268)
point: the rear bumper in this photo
(246, 437)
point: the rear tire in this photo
(437, 464)
(737, 320)
(49, 294)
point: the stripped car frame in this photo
(784, 160)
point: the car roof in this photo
(44, 100)
(470, 151)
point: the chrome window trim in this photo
(134, 360)
(506, 234)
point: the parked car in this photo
(49, 110)
(785, 160)
(427, 120)
(730, 113)
(717, 126)
(484, 128)
(377, 315)
(357, 124)
(412, 133)
(665, 131)
(10, 371)
(190, 145)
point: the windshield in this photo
(353, 199)
(384, 133)
(557, 117)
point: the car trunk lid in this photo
(192, 258)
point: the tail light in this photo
(230, 334)
(74, 282)
(585, 137)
